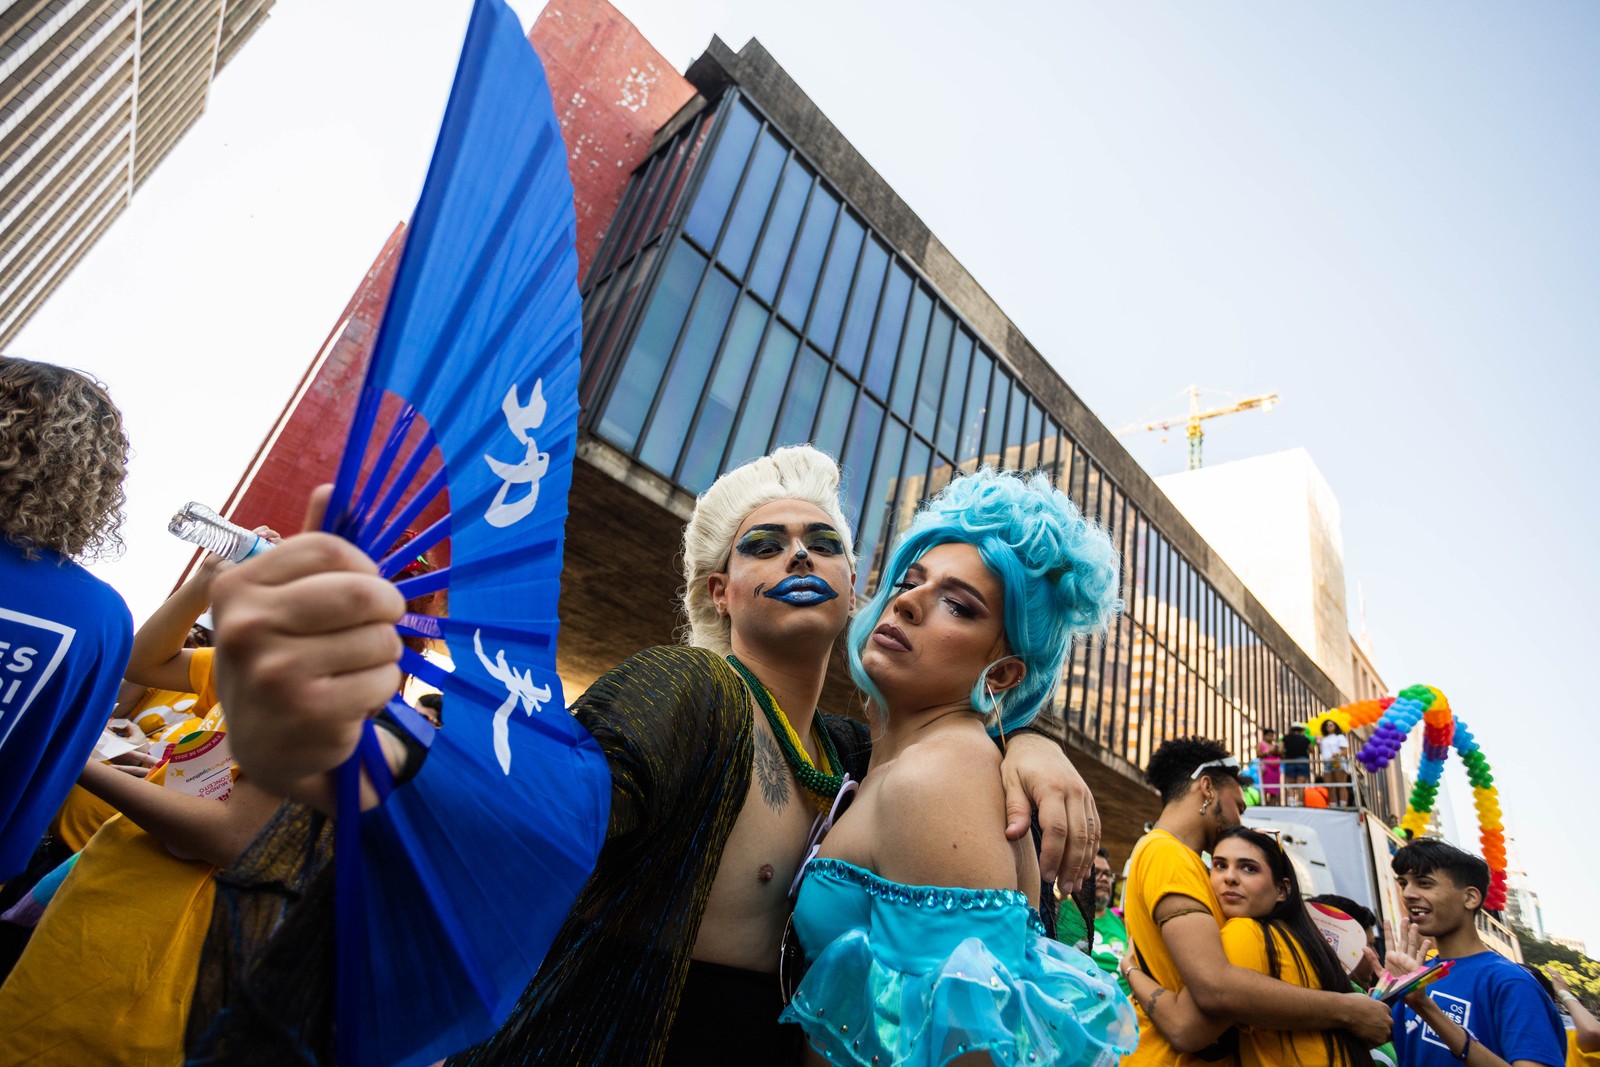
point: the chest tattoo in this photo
(772, 773)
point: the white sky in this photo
(1384, 212)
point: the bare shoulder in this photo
(941, 815)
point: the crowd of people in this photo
(777, 884)
(1285, 774)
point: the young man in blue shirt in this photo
(1488, 1012)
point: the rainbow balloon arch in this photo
(1396, 717)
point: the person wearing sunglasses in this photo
(1268, 931)
(1175, 921)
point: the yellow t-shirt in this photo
(1576, 1057)
(82, 813)
(109, 972)
(1162, 866)
(1245, 942)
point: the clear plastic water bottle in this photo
(199, 525)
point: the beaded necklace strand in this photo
(823, 785)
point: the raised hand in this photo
(306, 651)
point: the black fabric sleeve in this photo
(654, 715)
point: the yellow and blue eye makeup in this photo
(766, 538)
(820, 537)
(762, 541)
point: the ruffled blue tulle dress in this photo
(920, 975)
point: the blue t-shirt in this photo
(1498, 1002)
(64, 642)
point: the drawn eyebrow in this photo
(922, 572)
(969, 588)
(820, 527)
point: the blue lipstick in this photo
(802, 591)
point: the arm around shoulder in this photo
(1245, 996)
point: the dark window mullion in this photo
(832, 355)
(1208, 607)
(777, 299)
(631, 230)
(772, 309)
(738, 190)
(711, 375)
(659, 213)
(1109, 653)
(612, 253)
(1172, 579)
(1216, 658)
(822, 267)
(690, 311)
(944, 386)
(1098, 655)
(811, 311)
(616, 339)
(862, 395)
(1191, 651)
(1146, 663)
(920, 353)
(976, 391)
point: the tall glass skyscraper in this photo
(93, 94)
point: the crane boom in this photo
(1196, 415)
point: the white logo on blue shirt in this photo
(1459, 1011)
(31, 649)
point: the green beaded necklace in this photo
(822, 785)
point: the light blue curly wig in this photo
(1058, 569)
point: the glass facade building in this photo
(741, 301)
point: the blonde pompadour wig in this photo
(796, 472)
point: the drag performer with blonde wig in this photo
(918, 916)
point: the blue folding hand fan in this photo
(450, 892)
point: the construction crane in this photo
(1191, 422)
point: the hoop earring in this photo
(994, 709)
(1205, 807)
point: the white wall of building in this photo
(1275, 521)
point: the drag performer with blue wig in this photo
(918, 917)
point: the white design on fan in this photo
(520, 420)
(519, 687)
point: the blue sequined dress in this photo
(920, 975)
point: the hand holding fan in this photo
(1392, 988)
(450, 891)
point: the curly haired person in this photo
(64, 634)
